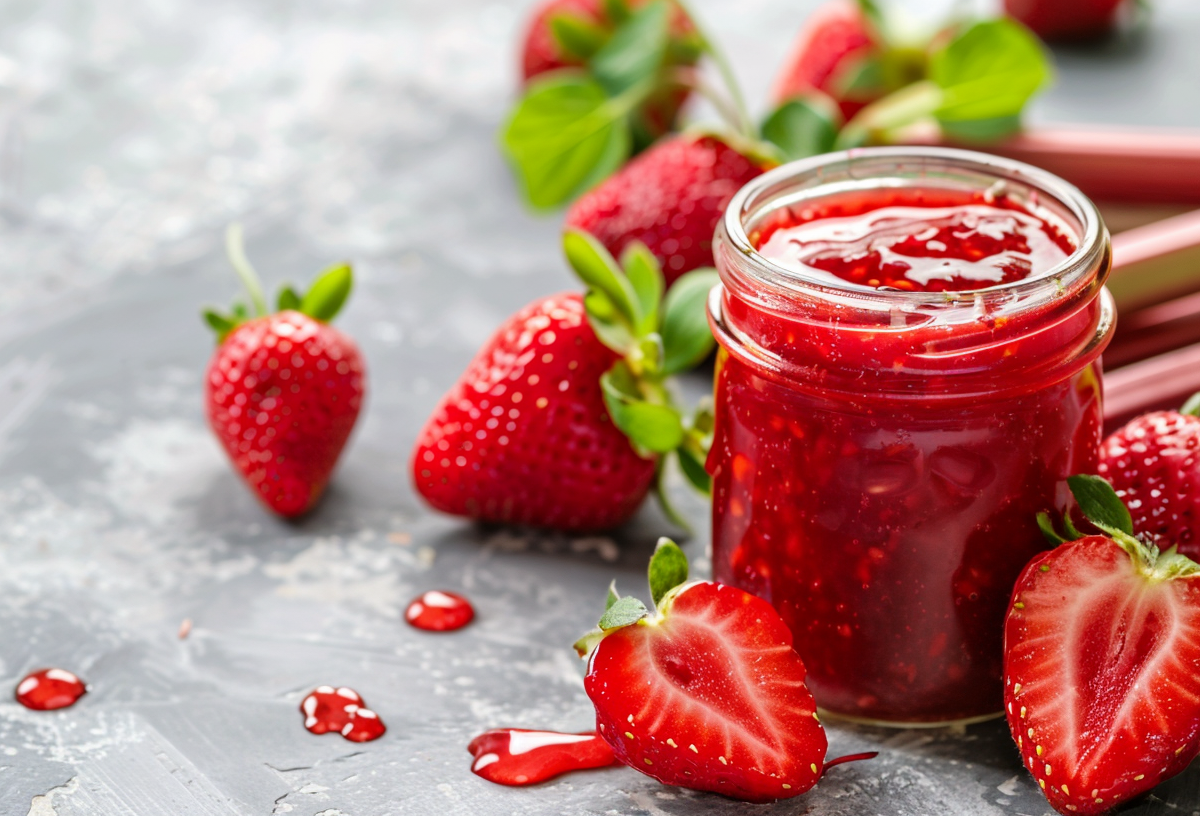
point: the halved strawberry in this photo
(707, 692)
(1102, 662)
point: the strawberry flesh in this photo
(524, 437)
(282, 394)
(1154, 465)
(1102, 674)
(709, 695)
(670, 198)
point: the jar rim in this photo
(1086, 257)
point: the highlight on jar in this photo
(908, 370)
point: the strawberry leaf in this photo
(616, 10)
(599, 272)
(1192, 406)
(646, 278)
(613, 597)
(668, 569)
(1101, 504)
(687, 338)
(1047, 527)
(624, 612)
(802, 127)
(328, 294)
(987, 73)
(219, 323)
(565, 135)
(634, 53)
(610, 327)
(288, 299)
(576, 36)
(651, 427)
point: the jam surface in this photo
(49, 689)
(881, 488)
(515, 756)
(438, 611)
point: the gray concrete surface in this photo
(131, 132)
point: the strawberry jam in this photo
(437, 611)
(517, 757)
(908, 370)
(49, 689)
(343, 711)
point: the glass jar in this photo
(880, 456)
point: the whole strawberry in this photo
(1057, 20)
(706, 692)
(283, 390)
(562, 419)
(1154, 464)
(1102, 662)
(670, 199)
(837, 47)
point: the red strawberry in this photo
(836, 42)
(546, 426)
(1065, 19)
(282, 391)
(1102, 662)
(592, 26)
(707, 693)
(670, 199)
(1154, 464)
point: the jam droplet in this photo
(437, 611)
(341, 710)
(515, 756)
(48, 689)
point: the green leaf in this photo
(1192, 406)
(576, 36)
(288, 299)
(861, 80)
(240, 312)
(634, 53)
(989, 71)
(646, 278)
(1100, 503)
(599, 271)
(1073, 533)
(982, 130)
(687, 338)
(328, 294)
(625, 611)
(612, 329)
(564, 135)
(802, 127)
(616, 11)
(1047, 527)
(691, 464)
(649, 426)
(219, 323)
(663, 497)
(668, 569)
(613, 597)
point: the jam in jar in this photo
(908, 370)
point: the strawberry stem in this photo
(236, 251)
(833, 763)
(740, 118)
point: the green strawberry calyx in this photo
(656, 337)
(668, 576)
(323, 300)
(1102, 507)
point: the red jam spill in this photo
(48, 689)
(328, 709)
(913, 246)
(515, 756)
(438, 611)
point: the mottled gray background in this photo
(131, 132)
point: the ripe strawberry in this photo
(1154, 464)
(562, 418)
(1065, 19)
(1102, 662)
(283, 390)
(707, 693)
(568, 33)
(670, 199)
(836, 43)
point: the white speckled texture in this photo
(131, 132)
